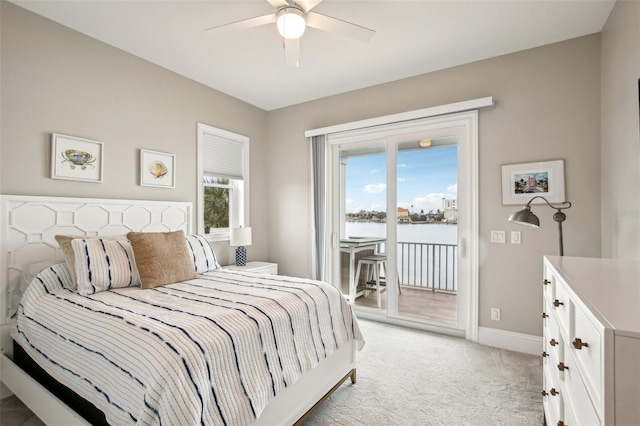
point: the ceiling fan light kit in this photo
(292, 18)
(291, 23)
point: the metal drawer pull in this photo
(578, 344)
(562, 367)
(557, 303)
(544, 393)
(546, 282)
(544, 354)
(544, 315)
(553, 342)
(554, 392)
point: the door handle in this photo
(462, 247)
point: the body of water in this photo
(407, 233)
(420, 263)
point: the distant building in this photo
(450, 209)
(403, 212)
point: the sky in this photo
(424, 177)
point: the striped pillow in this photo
(202, 254)
(104, 264)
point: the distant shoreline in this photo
(415, 222)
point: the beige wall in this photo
(57, 80)
(547, 107)
(621, 132)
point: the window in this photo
(223, 186)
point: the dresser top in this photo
(610, 288)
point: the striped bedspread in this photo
(213, 350)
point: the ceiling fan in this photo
(291, 19)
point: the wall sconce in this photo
(527, 218)
(240, 237)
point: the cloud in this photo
(374, 188)
(401, 179)
(373, 171)
(432, 201)
(348, 201)
(453, 188)
(402, 165)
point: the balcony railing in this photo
(429, 266)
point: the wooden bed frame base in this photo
(351, 374)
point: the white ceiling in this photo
(412, 38)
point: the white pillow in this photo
(29, 272)
(202, 254)
(104, 264)
(64, 241)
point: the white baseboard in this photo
(510, 340)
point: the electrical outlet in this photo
(495, 314)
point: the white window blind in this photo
(223, 157)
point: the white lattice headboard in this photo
(30, 223)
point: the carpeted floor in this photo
(408, 377)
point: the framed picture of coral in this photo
(521, 182)
(157, 169)
(74, 158)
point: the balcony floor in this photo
(418, 303)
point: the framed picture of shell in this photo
(157, 169)
(74, 158)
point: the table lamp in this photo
(240, 237)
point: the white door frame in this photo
(466, 127)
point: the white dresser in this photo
(591, 341)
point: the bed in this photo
(214, 347)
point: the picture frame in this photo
(74, 158)
(522, 182)
(157, 169)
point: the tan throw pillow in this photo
(64, 241)
(161, 257)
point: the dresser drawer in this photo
(577, 404)
(551, 398)
(586, 346)
(548, 284)
(561, 306)
(552, 339)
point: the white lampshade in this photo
(240, 237)
(291, 23)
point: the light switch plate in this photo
(515, 237)
(498, 237)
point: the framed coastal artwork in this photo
(74, 158)
(521, 182)
(157, 169)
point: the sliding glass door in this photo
(400, 226)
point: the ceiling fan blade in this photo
(292, 52)
(278, 3)
(307, 5)
(337, 26)
(244, 24)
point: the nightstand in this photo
(262, 267)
